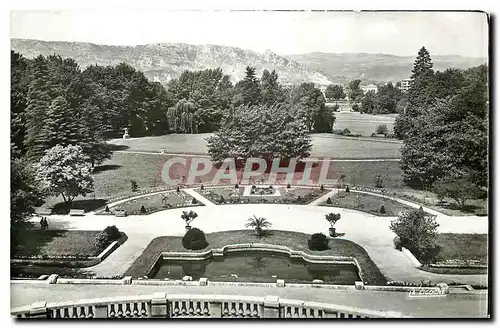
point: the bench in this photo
(75, 212)
(120, 213)
(44, 211)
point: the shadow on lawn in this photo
(84, 204)
(113, 147)
(31, 242)
(102, 168)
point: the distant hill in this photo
(165, 61)
(373, 68)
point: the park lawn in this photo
(288, 196)
(54, 243)
(367, 203)
(324, 145)
(449, 207)
(294, 240)
(364, 124)
(153, 203)
(463, 251)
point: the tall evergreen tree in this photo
(272, 92)
(422, 64)
(38, 100)
(247, 91)
(62, 124)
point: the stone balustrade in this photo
(184, 306)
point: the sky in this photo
(396, 33)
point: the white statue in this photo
(125, 133)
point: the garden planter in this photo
(188, 227)
(331, 231)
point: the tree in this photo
(332, 218)
(65, 171)
(61, 127)
(459, 190)
(182, 118)
(258, 223)
(272, 92)
(368, 102)
(25, 194)
(311, 103)
(247, 91)
(38, 100)
(19, 84)
(334, 92)
(422, 64)
(188, 217)
(417, 231)
(386, 99)
(354, 91)
(260, 131)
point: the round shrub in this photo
(112, 232)
(318, 242)
(328, 200)
(236, 186)
(194, 239)
(194, 201)
(101, 241)
(382, 209)
(254, 187)
(397, 243)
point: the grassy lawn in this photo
(366, 203)
(55, 243)
(155, 203)
(461, 250)
(324, 145)
(448, 206)
(287, 196)
(294, 240)
(364, 124)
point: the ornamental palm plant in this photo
(258, 223)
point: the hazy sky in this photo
(395, 33)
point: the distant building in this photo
(405, 85)
(369, 87)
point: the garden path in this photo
(198, 197)
(369, 231)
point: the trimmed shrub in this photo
(347, 189)
(194, 239)
(382, 129)
(346, 132)
(355, 107)
(221, 199)
(178, 189)
(318, 242)
(397, 243)
(299, 199)
(288, 186)
(254, 187)
(379, 182)
(101, 241)
(143, 209)
(112, 232)
(106, 209)
(202, 188)
(328, 200)
(194, 201)
(236, 186)
(382, 209)
(322, 188)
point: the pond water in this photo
(256, 267)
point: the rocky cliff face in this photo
(165, 61)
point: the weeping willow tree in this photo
(182, 117)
